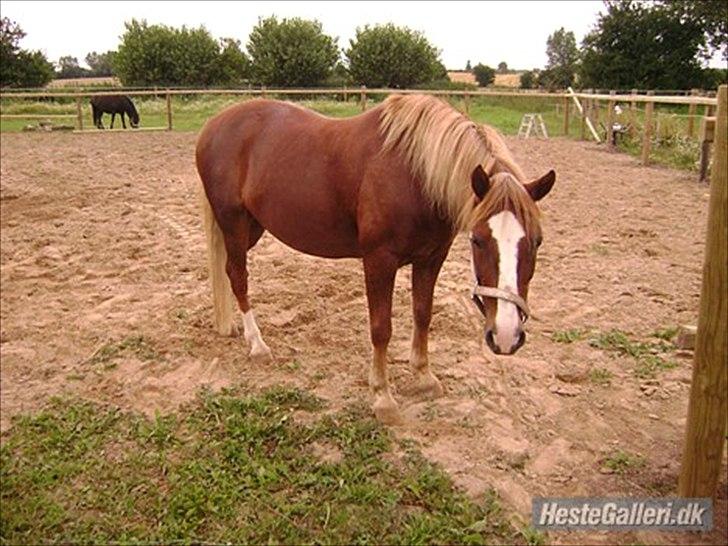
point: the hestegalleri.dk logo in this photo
(622, 514)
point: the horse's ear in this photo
(539, 188)
(480, 182)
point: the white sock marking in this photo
(507, 232)
(252, 334)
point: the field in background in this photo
(671, 146)
(84, 82)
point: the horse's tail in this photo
(222, 294)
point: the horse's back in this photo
(297, 172)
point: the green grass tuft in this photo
(650, 356)
(568, 336)
(137, 345)
(601, 376)
(621, 461)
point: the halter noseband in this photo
(507, 295)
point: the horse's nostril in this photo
(521, 338)
(491, 342)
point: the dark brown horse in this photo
(392, 186)
(114, 104)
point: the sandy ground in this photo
(101, 241)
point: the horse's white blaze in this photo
(252, 334)
(507, 232)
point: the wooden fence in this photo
(589, 113)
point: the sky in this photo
(487, 32)
(482, 32)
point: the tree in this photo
(563, 57)
(468, 68)
(68, 67)
(392, 56)
(162, 55)
(710, 15)
(527, 80)
(484, 74)
(101, 64)
(233, 65)
(291, 52)
(19, 67)
(502, 68)
(640, 45)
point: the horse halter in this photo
(498, 293)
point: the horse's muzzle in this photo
(490, 341)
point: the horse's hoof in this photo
(387, 412)
(261, 353)
(426, 385)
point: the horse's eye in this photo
(477, 242)
(539, 240)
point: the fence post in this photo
(647, 132)
(363, 98)
(707, 136)
(79, 114)
(466, 103)
(633, 115)
(595, 113)
(584, 114)
(566, 116)
(262, 91)
(610, 120)
(706, 422)
(691, 113)
(169, 111)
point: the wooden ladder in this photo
(532, 124)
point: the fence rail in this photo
(660, 99)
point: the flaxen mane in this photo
(443, 147)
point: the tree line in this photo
(656, 45)
(642, 45)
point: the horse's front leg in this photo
(123, 122)
(424, 276)
(380, 269)
(113, 116)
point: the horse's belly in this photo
(313, 232)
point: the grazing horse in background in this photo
(114, 104)
(392, 186)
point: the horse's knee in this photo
(381, 332)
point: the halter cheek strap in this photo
(498, 293)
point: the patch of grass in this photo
(617, 341)
(599, 249)
(650, 356)
(568, 336)
(601, 376)
(533, 537)
(138, 345)
(668, 333)
(622, 461)
(648, 366)
(232, 467)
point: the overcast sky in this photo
(486, 32)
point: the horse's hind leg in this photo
(241, 231)
(113, 116)
(123, 122)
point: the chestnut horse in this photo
(392, 186)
